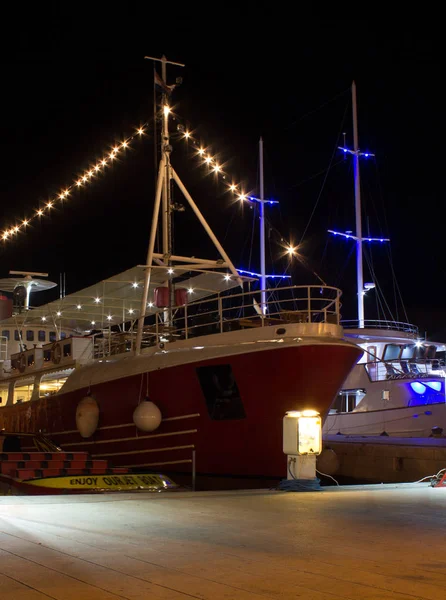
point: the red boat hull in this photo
(269, 382)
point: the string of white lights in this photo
(206, 159)
(81, 182)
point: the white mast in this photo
(359, 270)
(262, 232)
(166, 173)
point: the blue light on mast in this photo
(349, 236)
(259, 275)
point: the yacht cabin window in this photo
(30, 335)
(408, 351)
(347, 400)
(5, 333)
(392, 352)
(16, 335)
(42, 336)
(52, 336)
(371, 354)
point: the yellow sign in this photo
(140, 481)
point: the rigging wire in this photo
(321, 172)
(315, 110)
(326, 173)
(380, 293)
(389, 247)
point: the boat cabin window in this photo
(391, 352)
(430, 352)
(371, 354)
(420, 352)
(347, 400)
(3, 394)
(52, 336)
(50, 384)
(30, 335)
(5, 333)
(42, 336)
(23, 389)
(408, 351)
(63, 335)
(66, 350)
(16, 335)
(30, 359)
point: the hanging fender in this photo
(147, 416)
(87, 416)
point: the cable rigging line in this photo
(326, 174)
(315, 110)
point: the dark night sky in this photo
(71, 89)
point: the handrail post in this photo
(185, 322)
(309, 303)
(338, 308)
(220, 313)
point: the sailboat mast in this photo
(262, 231)
(359, 266)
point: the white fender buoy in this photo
(87, 416)
(328, 461)
(147, 416)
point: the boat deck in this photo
(375, 542)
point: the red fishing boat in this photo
(177, 364)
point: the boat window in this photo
(420, 351)
(408, 350)
(52, 336)
(63, 335)
(221, 393)
(66, 350)
(50, 384)
(30, 359)
(3, 394)
(391, 352)
(5, 333)
(430, 351)
(16, 335)
(42, 336)
(371, 354)
(29, 335)
(347, 400)
(23, 390)
(47, 355)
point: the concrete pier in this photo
(380, 542)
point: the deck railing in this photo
(227, 312)
(381, 324)
(404, 369)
